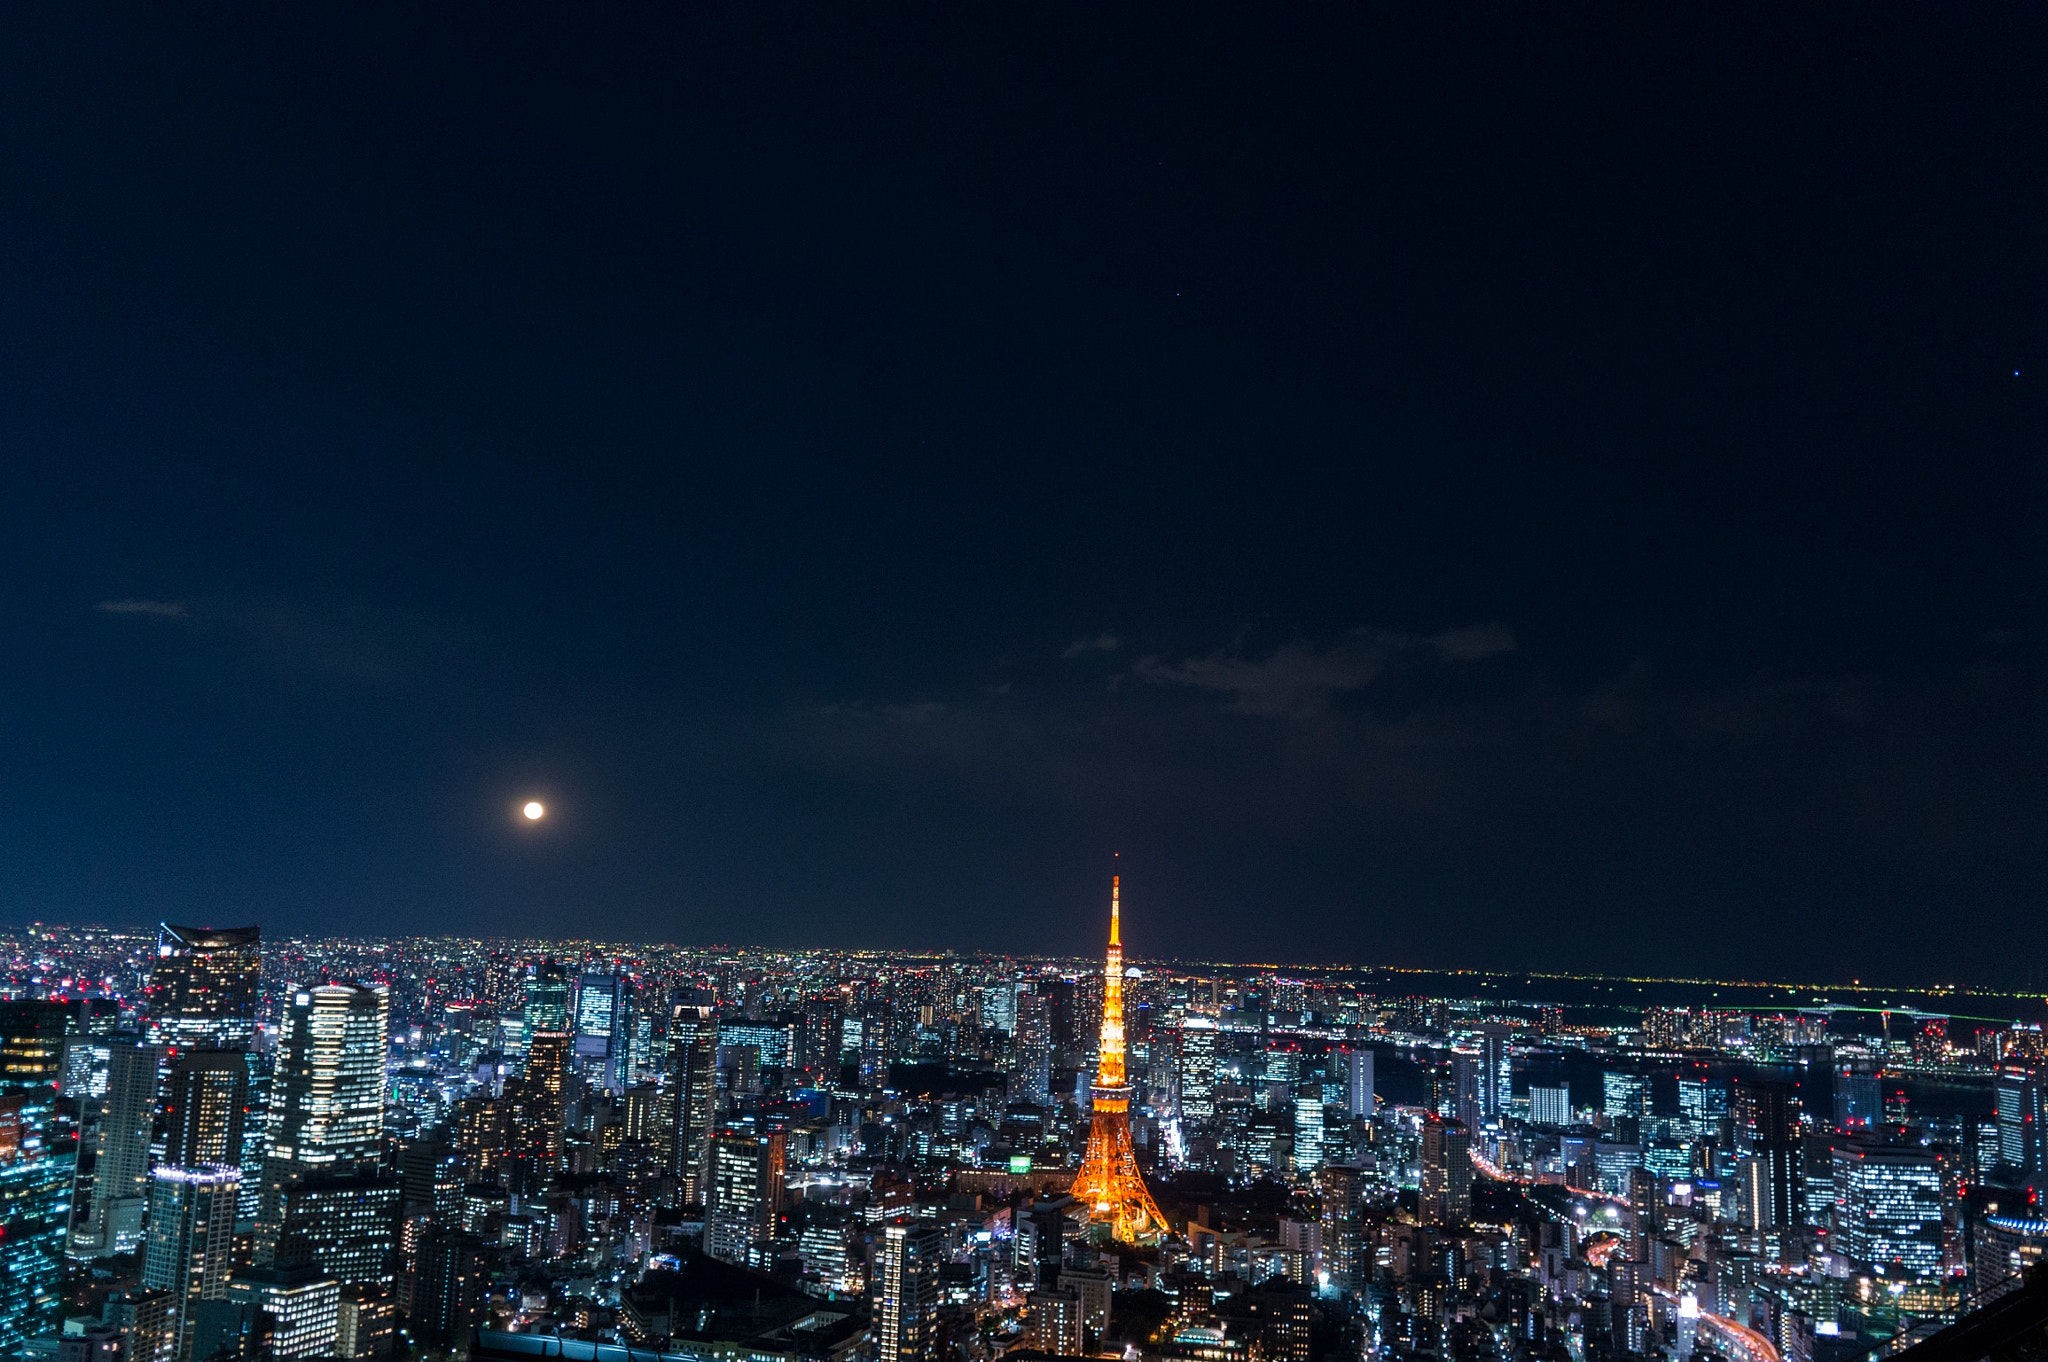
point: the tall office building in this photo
(693, 1088)
(1468, 1082)
(823, 1035)
(999, 1006)
(745, 1194)
(1308, 1135)
(255, 1131)
(1859, 1099)
(1446, 1172)
(1358, 1079)
(327, 1097)
(304, 1308)
(524, 1144)
(32, 1043)
(547, 998)
(1767, 1134)
(191, 1240)
(148, 1324)
(112, 1222)
(345, 1225)
(1197, 1071)
(604, 1028)
(1496, 1072)
(35, 1209)
(202, 988)
(2019, 1120)
(1031, 1049)
(906, 1291)
(1623, 1095)
(1888, 1212)
(1550, 1104)
(206, 1095)
(1344, 1257)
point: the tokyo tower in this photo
(1109, 1183)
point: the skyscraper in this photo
(1496, 1074)
(191, 1239)
(1446, 1172)
(327, 1096)
(1767, 1132)
(35, 1208)
(2019, 1120)
(1031, 1049)
(693, 1083)
(1358, 1080)
(120, 1179)
(745, 1200)
(1343, 1231)
(547, 998)
(206, 1094)
(31, 1043)
(1888, 1211)
(1197, 1071)
(1109, 1183)
(202, 990)
(603, 1028)
(906, 1303)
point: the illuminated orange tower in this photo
(1109, 1183)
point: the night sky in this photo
(1561, 487)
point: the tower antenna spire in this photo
(1116, 912)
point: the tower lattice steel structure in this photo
(1109, 1183)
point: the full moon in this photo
(533, 810)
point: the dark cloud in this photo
(1306, 678)
(158, 609)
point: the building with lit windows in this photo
(1888, 1207)
(1197, 1070)
(32, 1043)
(191, 1240)
(1308, 1135)
(35, 1209)
(2019, 1120)
(547, 998)
(1358, 1080)
(693, 1091)
(745, 1200)
(202, 988)
(604, 1028)
(1622, 1095)
(1031, 1050)
(1446, 1172)
(327, 1097)
(906, 1291)
(1550, 1104)
(206, 1096)
(305, 1308)
(112, 1221)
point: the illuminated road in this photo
(1499, 1174)
(1744, 1343)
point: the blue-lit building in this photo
(35, 1208)
(1888, 1207)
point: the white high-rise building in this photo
(191, 1239)
(1358, 1081)
(906, 1297)
(1550, 1105)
